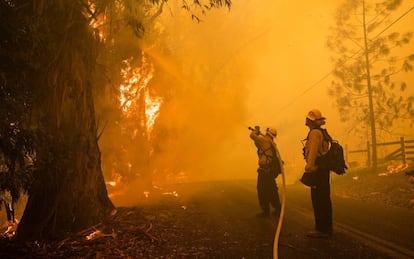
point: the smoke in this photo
(234, 69)
(238, 69)
(204, 86)
(261, 63)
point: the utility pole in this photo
(371, 105)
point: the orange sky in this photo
(295, 59)
(273, 53)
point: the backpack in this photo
(334, 159)
(275, 163)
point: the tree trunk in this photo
(69, 191)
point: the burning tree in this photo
(57, 44)
(140, 109)
(135, 102)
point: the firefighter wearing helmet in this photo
(315, 146)
(269, 167)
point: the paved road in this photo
(386, 232)
(226, 217)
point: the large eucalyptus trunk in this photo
(69, 191)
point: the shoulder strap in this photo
(326, 135)
(262, 152)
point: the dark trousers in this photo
(267, 192)
(321, 202)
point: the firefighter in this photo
(270, 165)
(316, 146)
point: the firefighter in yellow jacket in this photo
(270, 165)
(316, 146)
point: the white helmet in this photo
(271, 132)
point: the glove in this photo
(257, 130)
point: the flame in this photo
(11, 228)
(115, 184)
(140, 108)
(152, 108)
(393, 168)
(93, 235)
(173, 193)
(135, 82)
(96, 22)
(111, 183)
(132, 86)
(146, 194)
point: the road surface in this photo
(220, 223)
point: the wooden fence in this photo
(402, 150)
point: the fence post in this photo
(369, 155)
(403, 154)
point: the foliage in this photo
(16, 163)
(388, 64)
(16, 99)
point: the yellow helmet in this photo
(314, 115)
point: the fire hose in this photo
(283, 203)
(282, 214)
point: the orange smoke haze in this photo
(261, 63)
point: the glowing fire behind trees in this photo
(140, 109)
(134, 89)
(96, 22)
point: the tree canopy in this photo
(389, 63)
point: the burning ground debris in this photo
(8, 230)
(166, 228)
(393, 168)
(128, 232)
(171, 223)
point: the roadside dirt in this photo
(391, 189)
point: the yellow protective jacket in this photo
(264, 150)
(315, 146)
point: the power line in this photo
(391, 24)
(307, 90)
(330, 72)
